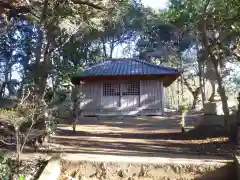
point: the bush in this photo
(5, 168)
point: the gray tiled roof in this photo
(123, 67)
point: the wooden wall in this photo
(149, 102)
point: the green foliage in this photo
(21, 178)
(184, 107)
(5, 169)
(215, 30)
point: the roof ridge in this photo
(154, 65)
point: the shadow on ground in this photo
(144, 144)
(141, 136)
(226, 172)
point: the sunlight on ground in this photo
(142, 136)
(107, 129)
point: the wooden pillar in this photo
(162, 96)
(120, 95)
(139, 97)
(101, 98)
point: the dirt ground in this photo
(144, 137)
(141, 136)
(135, 136)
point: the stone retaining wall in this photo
(52, 170)
(127, 171)
(136, 168)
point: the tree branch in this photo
(26, 137)
(85, 2)
(24, 98)
(223, 36)
(188, 85)
(27, 2)
(6, 143)
(53, 50)
(38, 49)
(206, 6)
(230, 52)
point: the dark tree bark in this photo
(195, 93)
(41, 69)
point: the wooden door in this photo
(130, 97)
(110, 97)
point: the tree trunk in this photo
(224, 98)
(39, 81)
(74, 126)
(195, 93)
(42, 76)
(104, 48)
(111, 49)
(222, 91)
(195, 97)
(18, 147)
(211, 98)
(201, 81)
(6, 74)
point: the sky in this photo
(156, 4)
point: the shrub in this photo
(5, 168)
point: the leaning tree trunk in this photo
(200, 62)
(221, 88)
(221, 92)
(195, 93)
(195, 97)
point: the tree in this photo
(212, 25)
(165, 44)
(121, 28)
(22, 124)
(54, 39)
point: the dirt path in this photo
(141, 136)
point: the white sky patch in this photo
(156, 4)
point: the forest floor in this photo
(141, 136)
(138, 136)
(144, 137)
